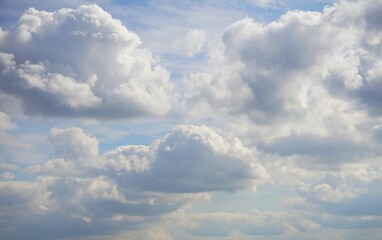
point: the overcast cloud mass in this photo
(258, 119)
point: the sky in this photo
(250, 119)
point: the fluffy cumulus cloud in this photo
(189, 159)
(302, 92)
(81, 62)
(281, 66)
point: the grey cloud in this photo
(370, 95)
(59, 207)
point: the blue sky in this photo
(253, 119)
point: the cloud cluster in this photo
(301, 93)
(178, 169)
(81, 63)
(281, 66)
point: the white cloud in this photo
(296, 92)
(280, 66)
(189, 159)
(193, 43)
(332, 190)
(264, 62)
(54, 167)
(65, 90)
(73, 144)
(83, 63)
(128, 158)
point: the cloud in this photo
(6, 176)
(254, 224)
(81, 63)
(10, 145)
(280, 66)
(295, 91)
(345, 193)
(189, 159)
(73, 144)
(7, 166)
(223, 224)
(76, 153)
(330, 188)
(322, 150)
(19, 147)
(263, 61)
(193, 43)
(133, 184)
(5, 122)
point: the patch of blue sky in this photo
(307, 5)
